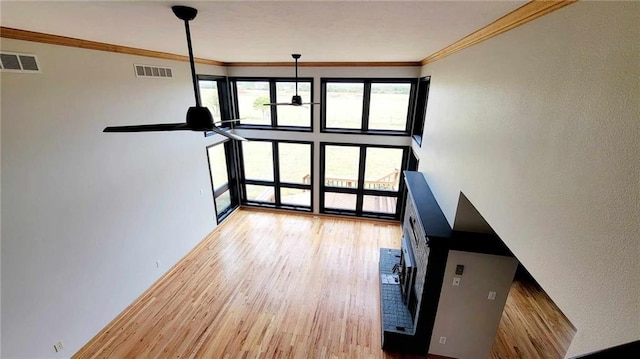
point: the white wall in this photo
(85, 214)
(539, 128)
(465, 316)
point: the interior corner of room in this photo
(419, 208)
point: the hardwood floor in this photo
(531, 326)
(275, 284)
(262, 285)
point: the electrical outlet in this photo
(158, 264)
(456, 281)
(58, 346)
(492, 296)
(443, 340)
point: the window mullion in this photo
(321, 187)
(323, 107)
(273, 99)
(242, 189)
(401, 200)
(235, 108)
(276, 172)
(366, 102)
(223, 95)
(360, 188)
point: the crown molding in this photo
(522, 15)
(325, 64)
(25, 35)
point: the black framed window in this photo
(361, 180)
(293, 116)
(277, 174)
(377, 106)
(389, 106)
(250, 97)
(214, 94)
(420, 113)
(223, 180)
(343, 104)
(251, 94)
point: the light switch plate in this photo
(492, 296)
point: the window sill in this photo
(274, 128)
(360, 132)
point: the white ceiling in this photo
(266, 31)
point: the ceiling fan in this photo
(198, 117)
(296, 100)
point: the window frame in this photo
(360, 191)
(223, 96)
(272, 98)
(420, 111)
(276, 183)
(366, 105)
(232, 181)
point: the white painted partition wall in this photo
(466, 317)
(87, 214)
(539, 128)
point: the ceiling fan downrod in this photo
(296, 98)
(187, 14)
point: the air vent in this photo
(152, 71)
(16, 62)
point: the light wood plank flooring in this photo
(266, 285)
(532, 326)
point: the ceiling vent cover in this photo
(152, 71)
(17, 62)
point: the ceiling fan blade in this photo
(149, 128)
(228, 134)
(198, 117)
(296, 100)
(228, 121)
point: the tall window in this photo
(421, 109)
(250, 99)
(362, 180)
(382, 106)
(214, 94)
(277, 174)
(223, 181)
(251, 94)
(343, 104)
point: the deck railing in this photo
(388, 182)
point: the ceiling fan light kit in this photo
(198, 117)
